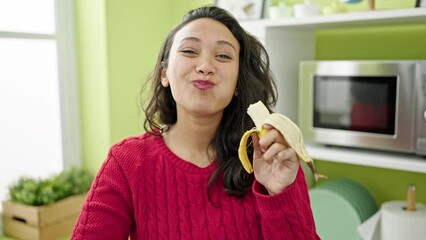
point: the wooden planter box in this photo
(43, 222)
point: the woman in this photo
(183, 179)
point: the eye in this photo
(188, 52)
(223, 57)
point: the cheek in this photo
(230, 85)
(178, 68)
(171, 75)
(233, 73)
(175, 81)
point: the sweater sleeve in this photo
(287, 215)
(107, 211)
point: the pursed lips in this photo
(202, 84)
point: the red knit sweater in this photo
(145, 191)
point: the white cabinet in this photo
(289, 41)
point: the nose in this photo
(205, 66)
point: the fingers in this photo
(273, 151)
(273, 136)
(271, 145)
(285, 155)
(275, 164)
(256, 146)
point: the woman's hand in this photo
(275, 165)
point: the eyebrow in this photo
(220, 42)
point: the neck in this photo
(190, 139)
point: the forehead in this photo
(208, 29)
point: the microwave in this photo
(371, 104)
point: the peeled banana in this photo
(291, 133)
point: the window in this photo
(39, 128)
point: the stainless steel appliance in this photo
(370, 104)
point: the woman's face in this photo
(202, 68)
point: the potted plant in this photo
(41, 209)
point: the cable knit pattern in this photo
(145, 191)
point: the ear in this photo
(236, 92)
(164, 80)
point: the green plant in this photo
(37, 192)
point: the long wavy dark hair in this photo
(255, 82)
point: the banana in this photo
(291, 133)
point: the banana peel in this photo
(289, 130)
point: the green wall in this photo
(118, 42)
(92, 56)
(404, 41)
